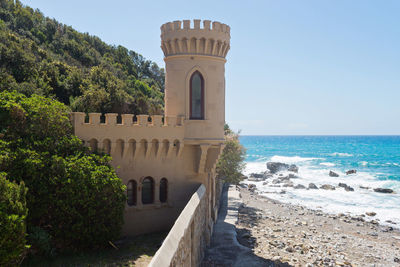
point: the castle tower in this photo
(195, 76)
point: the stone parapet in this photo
(159, 137)
(186, 241)
(179, 38)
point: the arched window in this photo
(163, 190)
(147, 190)
(131, 193)
(196, 96)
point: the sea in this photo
(376, 159)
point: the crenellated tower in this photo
(164, 160)
(195, 75)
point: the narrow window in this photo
(163, 190)
(196, 96)
(131, 193)
(147, 190)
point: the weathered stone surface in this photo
(275, 167)
(327, 187)
(351, 172)
(293, 168)
(333, 174)
(346, 187)
(383, 190)
(312, 186)
(299, 186)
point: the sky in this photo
(294, 68)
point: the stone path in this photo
(225, 250)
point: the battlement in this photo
(144, 136)
(78, 118)
(179, 38)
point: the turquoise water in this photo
(376, 159)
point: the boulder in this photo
(372, 214)
(333, 174)
(299, 186)
(383, 190)
(364, 187)
(327, 187)
(351, 172)
(257, 175)
(252, 187)
(275, 167)
(293, 168)
(349, 188)
(346, 187)
(291, 175)
(312, 186)
(288, 184)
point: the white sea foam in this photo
(338, 201)
(328, 164)
(294, 159)
(338, 154)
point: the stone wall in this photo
(186, 241)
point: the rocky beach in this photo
(298, 236)
(292, 235)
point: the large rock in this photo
(351, 172)
(293, 168)
(299, 186)
(333, 174)
(275, 167)
(383, 190)
(327, 187)
(312, 186)
(346, 187)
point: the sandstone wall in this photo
(185, 243)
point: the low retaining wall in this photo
(186, 241)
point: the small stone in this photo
(289, 249)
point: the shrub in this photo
(231, 163)
(74, 196)
(13, 212)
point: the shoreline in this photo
(300, 236)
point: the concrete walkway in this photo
(225, 250)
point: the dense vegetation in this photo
(231, 162)
(13, 212)
(75, 199)
(39, 55)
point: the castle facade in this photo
(163, 159)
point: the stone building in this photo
(163, 159)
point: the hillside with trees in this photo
(39, 55)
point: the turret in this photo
(195, 75)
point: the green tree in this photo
(13, 213)
(75, 197)
(231, 163)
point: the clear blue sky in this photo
(295, 67)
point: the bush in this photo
(74, 196)
(231, 163)
(13, 212)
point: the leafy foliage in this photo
(73, 196)
(39, 55)
(13, 212)
(231, 162)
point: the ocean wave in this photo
(293, 159)
(338, 154)
(328, 164)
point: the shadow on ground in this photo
(133, 251)
(226, 249)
